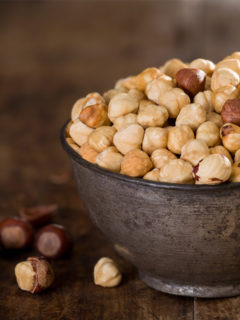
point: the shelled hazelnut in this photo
(209, 132)
(156, 87)
(79, 132)
(235, 176)
(214, 117)
(15, 233)
(110, 159)
(177, 138)
(237, 155)
(136, 163)
(204, 98)
(176, 171)
(152, 175)
(122, 104)
(160, 157)
(124, 121)
(106, 273)
(88, 153)
(230, 134)
(101, 138)
(205, 65)
(221, 150)
(194, 151)
(95, 116)
(221, 95)
(154, 138)
(222, 77)
(53, 241)
(152, 116)
(192, 115)
(34, 275)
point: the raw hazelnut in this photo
(154, 138)
(174, 99)
(171, 67)
(72, 144)
(152, 175)
(155, 88)
(88, 153)
(126, 83)
(145, 103)
(233, 64)
(221, 150)
(231, 111)
(220, 96)
(146, 76)
(191, 80)
(152, 116)
(213, 169)
(101, 138)
(39, 215)
(129, 138)
(136, 163)
(122, 104)
(194, 151)
(110, 159)
(125, 121)
(67, 130)
(77, 108)
(79, 132)
(214, 117)
(53, 241)
(136, 94)
(160, 157)
(237, 155)
(95, 116)
(235, 177)
(93, 98)
(230, 134)
(209, 132)
(108, 95)
(177, 138)
(204, 98)
(205, 65)
(176, 171)
(191, 115)
(34, 275)
(15, 233)
(106, 273)
(222, 77)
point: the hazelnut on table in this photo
(106, 273)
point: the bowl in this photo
(183, 239)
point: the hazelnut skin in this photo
(53, 241)
(34, 275)
(191, 80)
(231, 111)
(15, 233)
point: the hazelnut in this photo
(88, 153)
(106, 273)
(209, 132)
(108, 95)
(154, 138)
(39, 215)
(236, 55)
(235, 177)
(222, 77)
(205, 65)
(237, 155)
(136, 94)
(53, 241)
(125, 121)
(177, 138)
(204, 98)
(233, 64)
(155, 88)
(122, 104)
(213, 169)
(110, 159)
(95, 116)
(136, 163)
(191, 115)
(194, 151)
(34, 275)
(230, 134)
(214, 117)
(93, 98)
(126, 83)
(101, 138)
(221, 150)
(79, 132)
(145, 103)
(152, 175)
(72, 144)
(191, 80)
(162, 156)
(171, 67)
(129, 138)
(67, 130)
(220, 96)
(15, 233)
(174, 99)
(152, 116)
(176, 171)
(208, 83)
(231, 111)
(146, 76)
(77, 108)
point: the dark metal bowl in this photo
(184, 239)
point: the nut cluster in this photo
(179, 123)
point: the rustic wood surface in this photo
(51, 54)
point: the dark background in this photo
(52, 53)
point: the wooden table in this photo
(51, 54)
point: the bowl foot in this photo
(218, 291)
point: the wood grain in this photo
(51, 54)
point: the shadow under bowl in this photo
(183, 239)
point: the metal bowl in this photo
(183, 239)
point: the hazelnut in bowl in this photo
(160, 182)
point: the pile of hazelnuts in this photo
(52, 241)
(179, 123)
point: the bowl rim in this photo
(118, 176)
